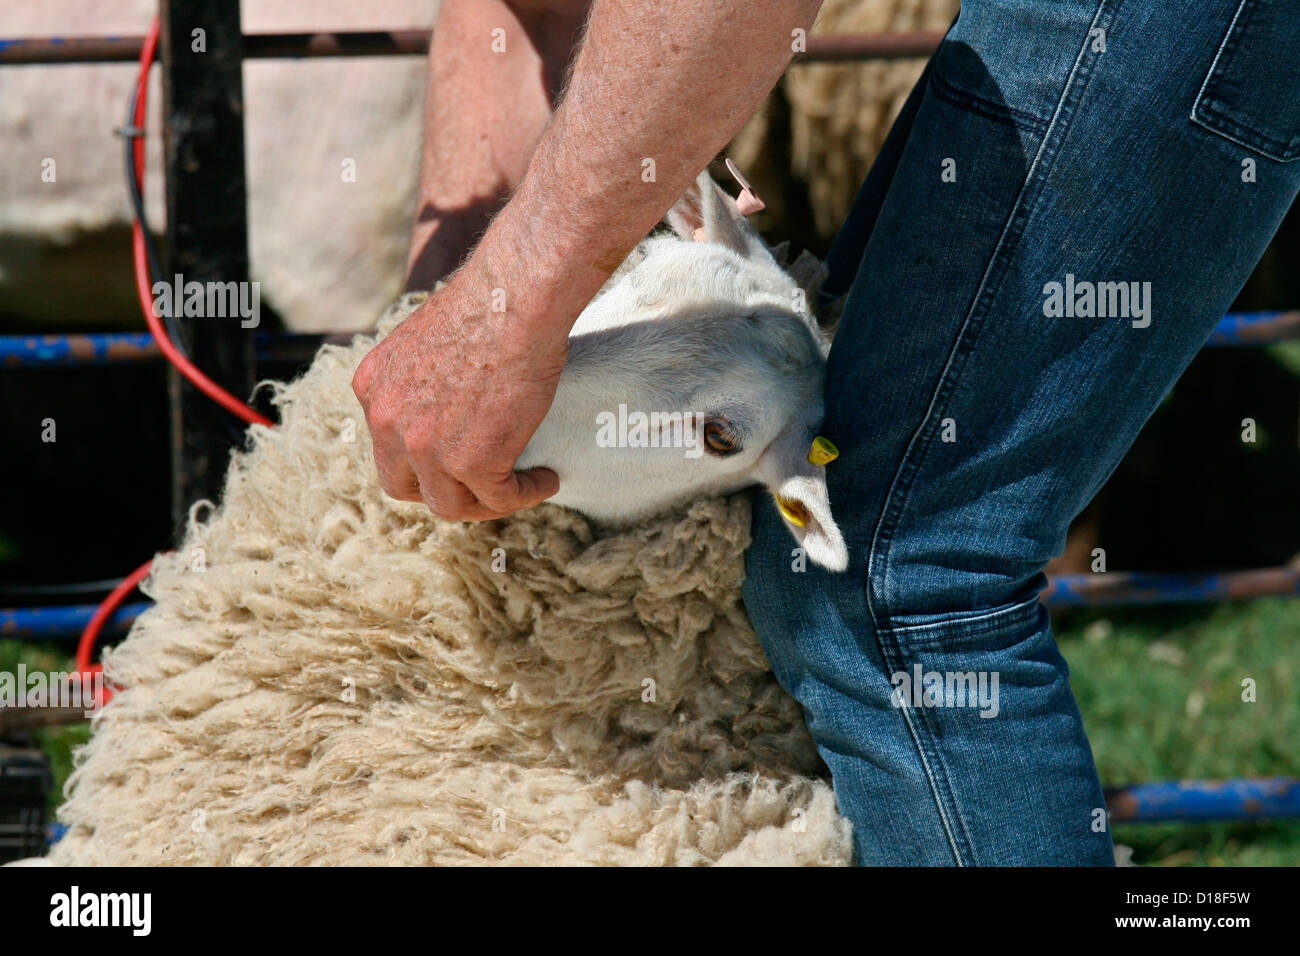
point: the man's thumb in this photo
(536, 485)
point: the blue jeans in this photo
(1070, 200)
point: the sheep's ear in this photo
(798, 488)
(707, 214)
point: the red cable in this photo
(86, 646)
(142, 284)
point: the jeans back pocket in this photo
(1251, 95)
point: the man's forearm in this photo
(667, 81)
(485, 110)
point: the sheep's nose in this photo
(823, 451)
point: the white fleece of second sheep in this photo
(351, 680)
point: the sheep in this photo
(52, 234)
(330, 676)
(322, 241)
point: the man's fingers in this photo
(517, 490)
(447, 497)
(396, 476)
(457, 502)
(400, 489)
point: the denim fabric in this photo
(1121, 141)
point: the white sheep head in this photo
(697, 371)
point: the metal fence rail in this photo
(64, 622)
(1202, 801)
(1112, 589)
(1236, 329)
(262, 46)
(1120, 588)
(125, 348)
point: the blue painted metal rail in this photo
(1174, 801)
(54, 623)
(1188, 801)
(117, 348)
(1118, 588)
(1256, 328)
(111, 348)
(1067, 590)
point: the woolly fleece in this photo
(349, 681)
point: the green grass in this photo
(1288, 353)
(1161, 695)
(58, 742)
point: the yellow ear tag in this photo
(794, 511)
(823, 451)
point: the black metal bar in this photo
(257, 46)
(207, 231)
(21, 720)
(370, 43)
(24, 51)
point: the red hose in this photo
(86, 646)
(142, 284)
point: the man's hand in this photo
(453, 395)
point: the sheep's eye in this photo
(720, 438)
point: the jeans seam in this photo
(892, 650)
(1221, 124)
(978, 104)
(900, 485)
(987, 622)
(944, 803)
(1218, 55)
(1235, 132)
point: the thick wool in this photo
(332, 677)
(839, 115)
